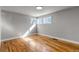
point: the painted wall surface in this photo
(0, 23)
(14, 24)
(65, 24)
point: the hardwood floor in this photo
(38, 43)
(15, 45)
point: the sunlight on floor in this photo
(31, 42)
(35, 45)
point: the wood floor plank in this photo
(38, 43)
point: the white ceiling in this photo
(31, 10)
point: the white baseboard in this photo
(16, 37)
(10, 38)
(45, 35)
(60, 38)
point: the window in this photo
(42, 20)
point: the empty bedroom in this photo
(39, 28)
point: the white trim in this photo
(16, 37)
(10, 39)
(44, 35)
(60, 38)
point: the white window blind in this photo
(42, 20)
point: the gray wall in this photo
(65, 24)
(14, 24)
(0, 23)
